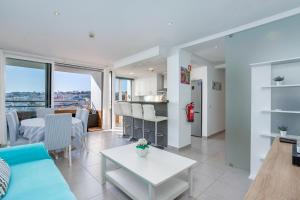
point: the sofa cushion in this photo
(4, 177)
(37, 180)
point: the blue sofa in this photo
(34, 175)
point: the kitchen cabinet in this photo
(149, 85)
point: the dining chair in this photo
(78, 113)
(43, 112)
(84, 117)
(13, 129)
(16, 117)
(58, 130)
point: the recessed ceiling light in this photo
(91, 35)
(151, 69)
(56, 13)
(131, 73)
(170, 23)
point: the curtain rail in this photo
(78, 67)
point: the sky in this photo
(65, 81)
(20, 79)
(123, 85)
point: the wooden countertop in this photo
(278, 178)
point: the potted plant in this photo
(278, 80)
(142, 147)
(283, 130)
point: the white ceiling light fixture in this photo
(170, 23)
(151, 69)
(56, 13)
(92, 35)
(131, 73)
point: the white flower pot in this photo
(278, 83)
(283, 133)
(142, 152)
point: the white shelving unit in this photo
(274, 135)
(281, 86)
(137, 189)
(282, 111)
(261, 108)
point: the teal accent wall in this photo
(274, 41)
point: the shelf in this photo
(136, 188)
(282, 111)
(274, 135)
(281, 86)
(277, 62)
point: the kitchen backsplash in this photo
(162, 97)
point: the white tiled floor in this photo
(212, 179)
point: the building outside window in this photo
(123, 89)
(72, 90)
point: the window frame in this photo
(48, 76)
(119, 78)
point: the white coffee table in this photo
(152, 178)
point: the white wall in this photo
(173, 97)
(96, 84)
(216, 102)
(3, 135)
(106, 100)
(213, 111)
(179, 130)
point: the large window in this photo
(123, 92)
(27, 85)
(72, 90)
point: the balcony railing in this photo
(24, 105)
(31, 104)
(69, 104)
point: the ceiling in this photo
(212, 51)
(60, 28)
(143, 68)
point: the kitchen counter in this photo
(277, 178)
(147, 102)
(135, 129)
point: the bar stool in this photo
(149, 115)
(137, 113)
(118, 111)
(126, 112)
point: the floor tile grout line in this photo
(210, 185)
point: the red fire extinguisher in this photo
(189, 109)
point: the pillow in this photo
(4, 177)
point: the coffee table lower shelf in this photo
(137, 189)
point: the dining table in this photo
(34, 130)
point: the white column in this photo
(260, 121)
(113, 87)
(179, 95)
(3, 133)
(96, 93)
(106, 99)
